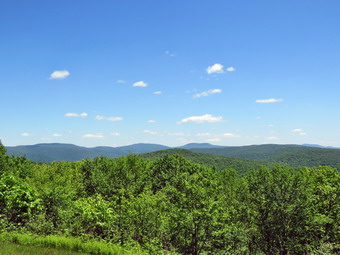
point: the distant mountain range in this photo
(298, 155)
(48, 152)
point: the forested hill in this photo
(48, 152)
(295, 155)
(240, 165)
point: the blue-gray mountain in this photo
(297, 155)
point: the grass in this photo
(19, 249)
(61, 243)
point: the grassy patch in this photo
(19, 249)
(66, 244)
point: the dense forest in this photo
(169, 204)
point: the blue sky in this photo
(170, 72)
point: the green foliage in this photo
(18, 201)
(218, 162)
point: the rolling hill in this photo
(296, 155)
(219, 162)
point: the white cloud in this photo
(299, 131)
(151, 121)
(203, 134)
(150, 132)
(59, 75)
(71, 114)
(121, 81)
(56, 135)
(157, 92)
(98, 117)
(207, 93)
(216, 68)
(231, 69)
(201, 119)
(114, 134)
(93, 136)
(140, 84)
(26, 134)
(178, 134)
(230, 135)
(272, 138)
(270, 100)
(213, 140)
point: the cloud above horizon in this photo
(72, 114)
(201, 119)
(99, 117)
(215, 68)
(140, 84)
(59, 75)
(230, 135)
(150, 132)
(93, 136)
(231, 69)
(207, 93)
(299, 131)
(26, 134)
(114, 134)
(270, 100)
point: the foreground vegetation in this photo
(50, 244)
(172, 205)
(20, 249)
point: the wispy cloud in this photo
(213, 140)
(230, 135)
(121, 81)
(98, 117)
(216, 68)
(271, 138)
(59, 75)
(72, 114)
(177, 134)
(140, 84)
(151, 121)
(170, 54)
(157, 92)
(207, 93)
(114, 134)
(26, 134)
(299, 131)
(202, 119)
(270, 100)
(93, 136)
(203, 134)
(150, 132)
(231, 69)
(56, 135)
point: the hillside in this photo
(219, 162)
(295, 155)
